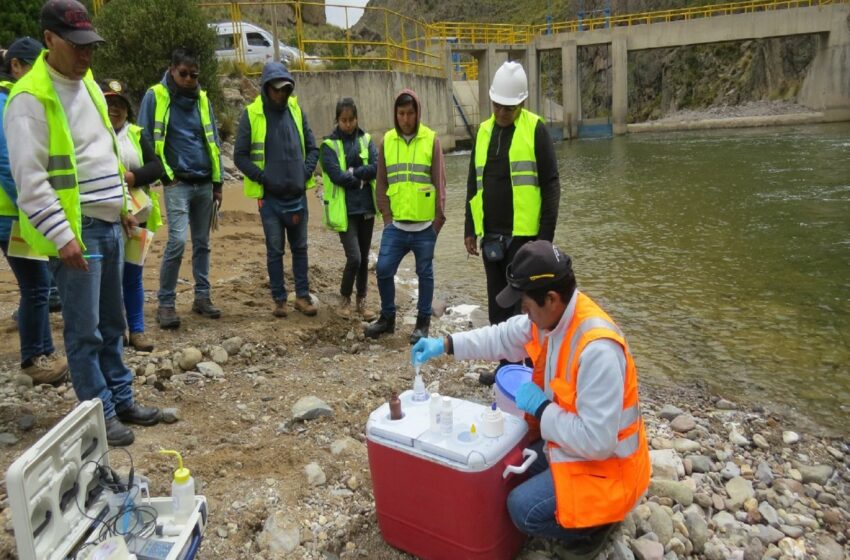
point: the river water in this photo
(723, 255)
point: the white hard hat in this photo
(510, 84)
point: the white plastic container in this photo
(446, 416)
(182, 489)
(434, 412)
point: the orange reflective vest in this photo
(590, 493)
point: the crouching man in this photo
(583, 398)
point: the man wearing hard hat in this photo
(513, 160)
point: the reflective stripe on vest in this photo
(134, 133)
(61, 160)
(590, 493)
(335, 215)
(257, 120)
(162, 97)
(412, 195)
(526, 188)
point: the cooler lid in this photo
(462, 449)
(55, 481)
(510, 377)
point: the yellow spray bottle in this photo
(182, 490)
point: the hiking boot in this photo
(141, 415)
(487, 378)
(305, 306)
(205, 307)
(364, 311)
(141, 342)
(117, 434)
(279, 308)
(586, 548)
(167, 318)
(344, 307)
(423, 323)
(48, 368)
(384, 324)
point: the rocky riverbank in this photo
(271, 416)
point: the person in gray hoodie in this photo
(276, 152)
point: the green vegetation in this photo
(140, 36)
(19, 18)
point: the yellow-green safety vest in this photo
(7, 206)
(257, 120)
(412, 196)
(335, 215)
(134, 133)
(61, 155)
(526, 186)
(162, 97)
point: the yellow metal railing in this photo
(410, 45)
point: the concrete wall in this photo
(374, 91)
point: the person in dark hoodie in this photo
(177, 118)
(349, 167)
(277, 154)
(411, 195)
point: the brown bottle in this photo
(395, 407)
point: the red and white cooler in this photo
(443, 496)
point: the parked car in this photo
(258, 45)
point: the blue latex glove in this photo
(529, 397)
(427, 348)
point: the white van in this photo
(258, 45)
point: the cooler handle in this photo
(531, 457)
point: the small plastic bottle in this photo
(182, 490)
(446, 418)
(434, 412)
(420, 393)
(395, 407)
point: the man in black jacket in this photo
(277, 153)
(513, 160)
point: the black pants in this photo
(356, 242)
(496, 282)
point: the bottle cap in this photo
(181, 474)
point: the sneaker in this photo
(384, 324)
(141, 342)
(344, 307)
(364, 311)
(117, 434)
(279, 308)
(51, 369)
(167, 318)
(141, 415)
(487, 378)
(305, 306)
(204, 306)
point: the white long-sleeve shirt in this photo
(592, 433)
(101, 187)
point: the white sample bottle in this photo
(446, 419)
(434, 412)
(182, 490)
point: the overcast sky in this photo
(336, 13)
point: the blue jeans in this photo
(34, 281)
(134, 297)
(277, 224)
(395, 244)
(188, 207)
(531, 506)
(94, 322)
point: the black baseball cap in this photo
(537, 264)
(70, 20)
(25, 49)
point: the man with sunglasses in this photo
(513, 160)
(583, 400)
(178, 119)
(72, 203)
